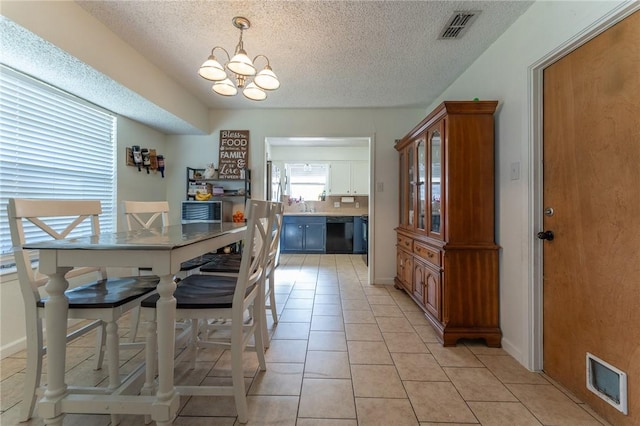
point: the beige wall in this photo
(132, 184)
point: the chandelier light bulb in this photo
(212, 70)
(266, 79)
(253, 92)
(225, 88)
(241, 64)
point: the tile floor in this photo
(345, 353)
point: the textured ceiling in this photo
(327, 54)
(24, 51)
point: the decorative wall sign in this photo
(234, 154)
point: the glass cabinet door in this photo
(435, 182)
(403, 188)
(411, 186)
(421, 207)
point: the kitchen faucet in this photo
(306, 209)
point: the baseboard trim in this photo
(13, 347)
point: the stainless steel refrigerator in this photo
(274, 186)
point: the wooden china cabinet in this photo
(447, 258)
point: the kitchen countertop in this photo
(333, 206)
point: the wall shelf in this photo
(233, 188)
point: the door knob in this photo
(546, 235)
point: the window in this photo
(307, 181)
(52, 145)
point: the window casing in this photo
(52, 145)
(307, 180)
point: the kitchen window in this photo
(307, 180)
(52, 145)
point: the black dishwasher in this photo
(339, 234)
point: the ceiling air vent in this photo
(458, 24)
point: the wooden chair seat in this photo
(108, 293)
(202, 292)
(226, 263)
(194, 263)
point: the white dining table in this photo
(161, 249)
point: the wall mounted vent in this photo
(458, 24)
(608, 382)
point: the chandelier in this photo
(242, 69)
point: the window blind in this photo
(53, 145)
(307, 173)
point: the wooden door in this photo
(592, 182)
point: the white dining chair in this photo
(207, 297)
(143, 215)
(149, 214)
(229, 265)
(103, 301)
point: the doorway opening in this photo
(348, 163)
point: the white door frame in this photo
(535, 91)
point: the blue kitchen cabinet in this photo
(314, 237)
(292, 236)
(303, 234)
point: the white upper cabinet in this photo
(349, 178)
(340, 178)
(360, 177)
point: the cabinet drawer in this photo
(427, 253)
(405, 242)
